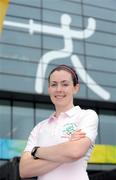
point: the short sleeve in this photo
(89, 124)
(33, 139)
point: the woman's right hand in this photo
(77, 135)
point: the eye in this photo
(65, 84)
(53, 85)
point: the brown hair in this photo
(68, 69)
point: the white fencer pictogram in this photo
(68, 35)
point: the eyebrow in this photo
(61, 81)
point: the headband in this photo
(72, 71)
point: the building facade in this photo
(37, 36)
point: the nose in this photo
(59, 87)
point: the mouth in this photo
(60, 96)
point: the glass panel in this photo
(17, 83)
(5, 119)
(24, 11)
(98, 50)
(98, 64)
(106, 79)
(20, 53)
(102, 38)
(36, 3)
(106, 26)
(58, 44)
(110, 90)
(75, 0)
(43, 111)
(18, 67)
(104, 3)
(16, 38)
(101, 13)
(23, 120)
(82, 92)
(107, 127)
(52, 42)
(62, 6)
(55, 17)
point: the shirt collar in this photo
(69, 113)
(52, 117)
(73, 111)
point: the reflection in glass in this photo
(107, 127)
(23, 120)
(5, 119)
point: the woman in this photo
(59, 147)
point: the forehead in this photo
(60, 75)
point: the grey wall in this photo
(20, 52)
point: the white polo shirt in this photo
(57, 130)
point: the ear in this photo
(77, 88)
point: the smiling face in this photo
(61, 90)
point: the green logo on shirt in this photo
(69, 128)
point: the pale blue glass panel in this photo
(17, 83)
(74, 0)
(22, 39)
(100, 51)
(78, 47)
(54, 43)
(108, 128)
(100, 64)
(101, 13)
(82, 92)
(24, 11)
(110, 90)
(104, 26)
(55, 17)
(103, 38)
(62, 6)
(110, 4)
(23, 120)
(103, 78)
(43, 112)
(18, 68)
(5, 119)
(36, 3)
(20, 53)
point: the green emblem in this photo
(69, 128)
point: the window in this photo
(23, 120)
(43, 112)
(107, 127)
(5, 119)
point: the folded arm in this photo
(30, 167)
(51, 157)
(65, 152)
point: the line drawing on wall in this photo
(68, 35)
